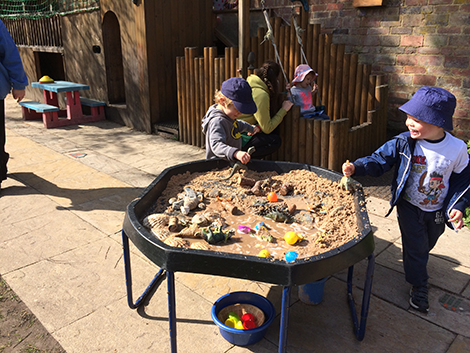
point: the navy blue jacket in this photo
(398, 152)
(12, 74)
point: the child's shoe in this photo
(419, 298)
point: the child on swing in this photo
(302, 90)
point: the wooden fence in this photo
(354, 99)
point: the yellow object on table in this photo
(46, 79)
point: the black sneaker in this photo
(419, 298)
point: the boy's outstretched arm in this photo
(456, 217)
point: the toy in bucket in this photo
(235, 313)
(251, 309)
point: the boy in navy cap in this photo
(431, 181)
(220, 124)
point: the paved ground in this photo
(61, 214)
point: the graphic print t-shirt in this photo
(431, 167)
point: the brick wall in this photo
(414, 42)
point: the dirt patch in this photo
(324, 215)
(20, 331)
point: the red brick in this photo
(425, 80)
(440, 2)
(391, 69)
(334, 7)
(457, 62)
(449, 30)
(412, 41)
(449, 81)
(407, 60)
(428, 50)
(370, 22)
(414, 70)
(430, 60)
(413, 2)
(412, 20)
(401, 79)
(466, 83)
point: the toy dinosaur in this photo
(239, 165)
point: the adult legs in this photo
(3, 155)
(265, 144)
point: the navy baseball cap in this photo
(239, 91)
(432, 105)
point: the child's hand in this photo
(286, 105)
(256, 129)
(314, 88)
(243, 156)
(348, 169)
(456, 217)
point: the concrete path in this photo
(61, 214)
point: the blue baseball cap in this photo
(432, 105)
(239, 91)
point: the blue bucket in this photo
(243, 337)
(312, 293)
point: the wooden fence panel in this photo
(356, 101)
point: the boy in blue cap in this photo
(431, 181)
(220, 124)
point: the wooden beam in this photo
(243, 35)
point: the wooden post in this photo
(197, 104)
(345, 87)
(302, 139)
(325, 142)
(180, 92)
(286, 142)
(317, 140)
(309, 141)
(320, 78)
(243, 35)
(332, 81)
(365, 92)
(357, 95)
(192, 96)
(352, 89)
(338, 82)
(203, 98)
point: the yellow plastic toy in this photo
(264, 253)
(292, 237)
(46, 79)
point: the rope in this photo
(269, 36)
(298, 32)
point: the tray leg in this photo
(360, 330)
(170, 277)
(285, 306)
(127, 270)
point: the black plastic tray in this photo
(243, 266)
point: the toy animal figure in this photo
(239, 165)
(215, 234)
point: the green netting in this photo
(44, 8)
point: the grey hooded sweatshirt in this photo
(223, 137)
